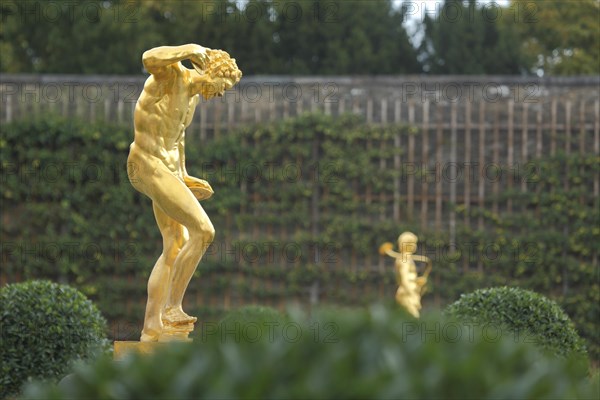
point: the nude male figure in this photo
(156, 167)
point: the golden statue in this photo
(410, 286)
(156, 168)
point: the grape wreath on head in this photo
(221, 65)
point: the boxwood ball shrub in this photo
(522, 315)
(358, 353)
(45, 327)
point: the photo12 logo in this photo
(270, 331)
(526, 12)
(471, 332)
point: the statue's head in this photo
(407, 243)
(222, 72)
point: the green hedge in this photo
(522, 314)
(45, 328)
(70, 215)
(358, 353)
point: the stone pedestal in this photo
(170, 333)
(178, 333)
(123, 348)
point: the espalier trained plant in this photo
(45, 328)
(55, 222)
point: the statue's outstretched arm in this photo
(386, 249)
(157, 59)
(393, 254)
(199, 187)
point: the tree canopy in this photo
(465, 38)
(563, 35)
(305, 37)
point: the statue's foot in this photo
(149, 336)
(176, 316)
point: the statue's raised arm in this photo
(157, 60)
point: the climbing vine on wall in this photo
(297, 202)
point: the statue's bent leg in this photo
(174, 237)
(170, 195)
(183, 272)
(156, 297)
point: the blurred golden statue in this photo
(156, 167)
(410, 286)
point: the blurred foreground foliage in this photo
(370, 353)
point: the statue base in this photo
(171, 333)
(176, 333)
(121, 349)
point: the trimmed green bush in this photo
(522, 314)
(375, 353)
(45, 327)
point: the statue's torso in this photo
(407, 272)
(163, 112)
